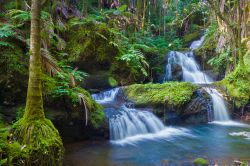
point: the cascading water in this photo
(219, 106)
(106, 96)
(190, 69)
(127, 124)
(133, 122)
(191, 73)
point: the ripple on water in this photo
(164, 134)
(230, 123)
(242, 133)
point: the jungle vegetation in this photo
(52, 49)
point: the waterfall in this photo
(191, 72)
(125, 122)
(190, 69)
(132, 122)
(106, 96)
(219, 106)
(196, 44)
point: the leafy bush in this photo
(220, 61)
(6, 31)
(237, 84)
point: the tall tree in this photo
(234, 15)
(18, 4)
(34, 129)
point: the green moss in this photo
(54, 89)
(200, 162)
(172, 93)
(42, 141)
(112, 82)
(191, 37)
(97, 116)
(243, 164)
(237, 84)
(92, 42)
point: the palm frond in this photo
(50, 63)
(83, 101)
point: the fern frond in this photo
(50, 63)
(83, 101)
(6, 30)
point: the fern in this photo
(6, 44)
(135, 60)
(6, 31)
(19, 15)
(22, 16)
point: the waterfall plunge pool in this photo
(138, 138)
(178, 146)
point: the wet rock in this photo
(72, 128)
(200, 162)
(198, 110)
(97, 80)
(176, 72)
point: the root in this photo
(43, 141)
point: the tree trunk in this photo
(85, 7)
(143, 14)
(18, 4)
(34, 103)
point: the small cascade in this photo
(191, 72)
(106, 96)
(124, 120)
(219, 106)
(196, 44)
(190, 69)
(132, 122)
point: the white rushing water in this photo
(129, 125)
(196, 44)
(244, 134)
(190, 69)
(219, 106)
(133, 122)
(134, 125)
(106, 96)
(191, 72)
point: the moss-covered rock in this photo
(174, 102)
(200, 162)
(188, 38)
(172, 93)
(91, 44)
(41, 141)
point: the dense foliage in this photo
(87, 46)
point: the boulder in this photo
(176, 72)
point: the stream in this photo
(139, 138)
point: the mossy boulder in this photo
(91, 44)
(40, 141)
(174, 102)
(97, 80)
(190, 37)
(200, 162)
(70, 119)
(172, 93)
